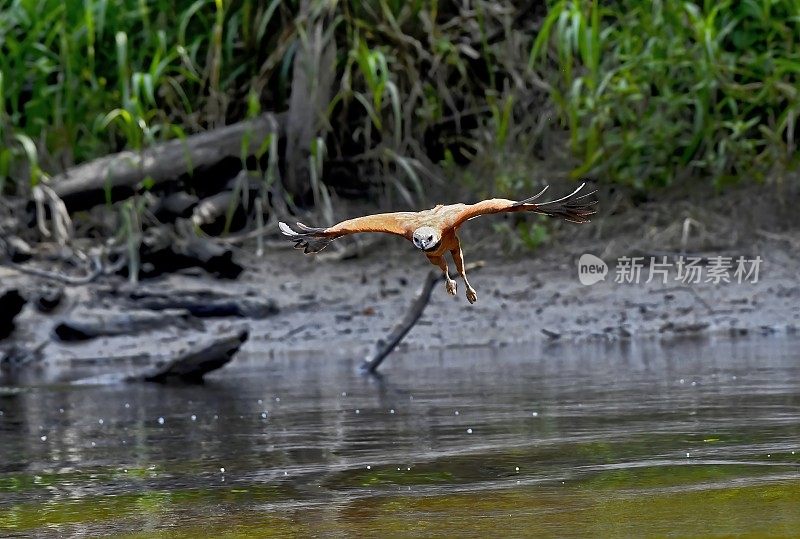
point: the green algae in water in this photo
(572, 510)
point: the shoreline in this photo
(354, 303)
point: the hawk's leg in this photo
(458, 258)
(449, 283)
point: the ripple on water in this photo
(564, 440)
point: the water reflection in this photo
(271, 442)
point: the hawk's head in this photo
(426, 238)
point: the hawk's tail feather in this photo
(309, 239)
(573, 207)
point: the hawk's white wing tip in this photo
(286, 230)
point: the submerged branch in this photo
(384, 347)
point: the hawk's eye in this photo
(430, 238)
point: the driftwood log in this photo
(120, 174)
(224, 211)
(192, 365)
(11, 303)
(86, 325)
(185, 367)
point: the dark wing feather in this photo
(310, 240)
(573, 207)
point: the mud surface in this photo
(344, 307)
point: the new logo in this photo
(591, 269)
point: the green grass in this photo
(649, 93)
(657, 92)
(81, 79)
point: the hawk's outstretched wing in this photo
(313, 240)
(573, 207)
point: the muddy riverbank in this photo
(743, 250)
(343, 307)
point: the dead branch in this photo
(384, 347)
(14, 248)
(62, 223)
(97, 269)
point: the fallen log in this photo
(91, 275)
(184, 367)
(120, 174)
(219, 213)
(191, 366)
(206, 304)
(11, 303)
(228, 209)
(86, 325)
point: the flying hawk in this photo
(434, 231)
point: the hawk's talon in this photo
(452, 287)
(472, 296)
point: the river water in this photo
(696, 438)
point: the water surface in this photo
(694, 438)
